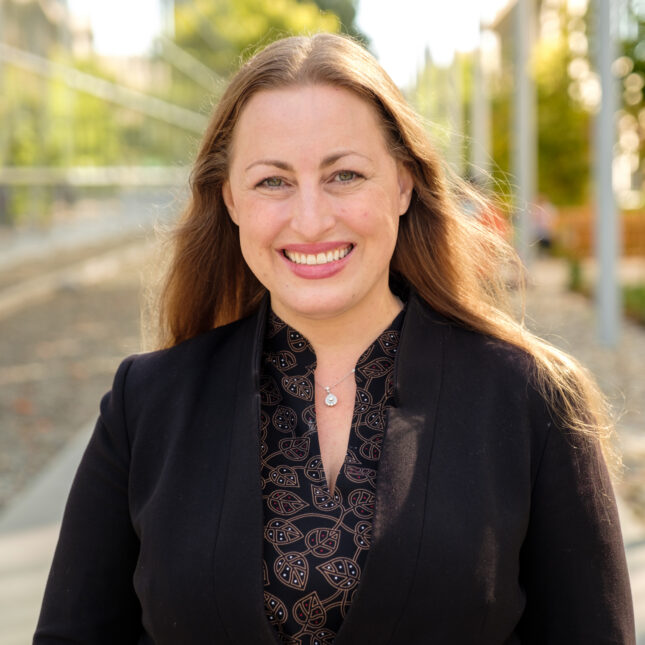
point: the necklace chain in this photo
(331, 399)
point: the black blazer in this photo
(492, 524)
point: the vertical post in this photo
(168, 18)
(524, 147)
(4, 114)
(607, 233)
(4, 98)
(455, 115)
(480, 115)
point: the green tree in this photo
(631, 71)
(563, 127)
(346, 12)
(220, 33)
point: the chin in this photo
(315, 306)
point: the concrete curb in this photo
(43, 502)
(28, 533)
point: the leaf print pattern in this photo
(322, 542)
(316, 542)
(281, 532)
(274, 326)
(323, 637)
(363, 535)
(324, 500)
(377, 368)
(285, 503)
(282, 360)
(362, 502)
(309, 611)
(389, 342)
(297, 342)
(341, 573)
(275, 609)
(293, 569)
(295, 449)
(360, 475)
(269, 393)
(375, 420)
(284, 419)
(299, 386)
(284, 476)
(314, 470)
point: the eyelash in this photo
(354, 175)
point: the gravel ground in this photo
(58, 355)
(568, 320)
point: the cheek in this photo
(254, 234)
(259, 223)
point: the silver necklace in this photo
(331, 399)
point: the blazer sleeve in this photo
(573, 565)
(89, 597)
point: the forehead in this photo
(315, 115)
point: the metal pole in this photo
(4, 100)
(480, 115)
(524, 148)
(455, 115)
(5, 108)
(106, 90)
(607, 238)
(168, 15)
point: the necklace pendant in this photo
(331, 400)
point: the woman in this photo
(346, 438)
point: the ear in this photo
(227, 196)
(406, 186)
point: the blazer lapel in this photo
(401, 491)
(238, 551)
(402, 482)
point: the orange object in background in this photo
(492, 218)
(574, 230)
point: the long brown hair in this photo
(455, 263)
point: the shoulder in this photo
(199, 349)
(487, 388)
(469, 354)
(169, 372)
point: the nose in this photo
(312, 214)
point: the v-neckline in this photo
(404, 472)
(297, 337)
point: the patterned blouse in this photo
(316, 542)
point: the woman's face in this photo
(317, 197)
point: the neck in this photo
(344, 337)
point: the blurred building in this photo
(37, 26)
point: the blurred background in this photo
(537, 102)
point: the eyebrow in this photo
(326, 162)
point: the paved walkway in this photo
(29, 525)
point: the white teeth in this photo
(319, 258)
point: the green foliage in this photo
(634, 301)
(219, 33)
(46, 123)
(563, 129)
(346, 12)
(501, 131)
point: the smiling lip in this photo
(315, 261)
